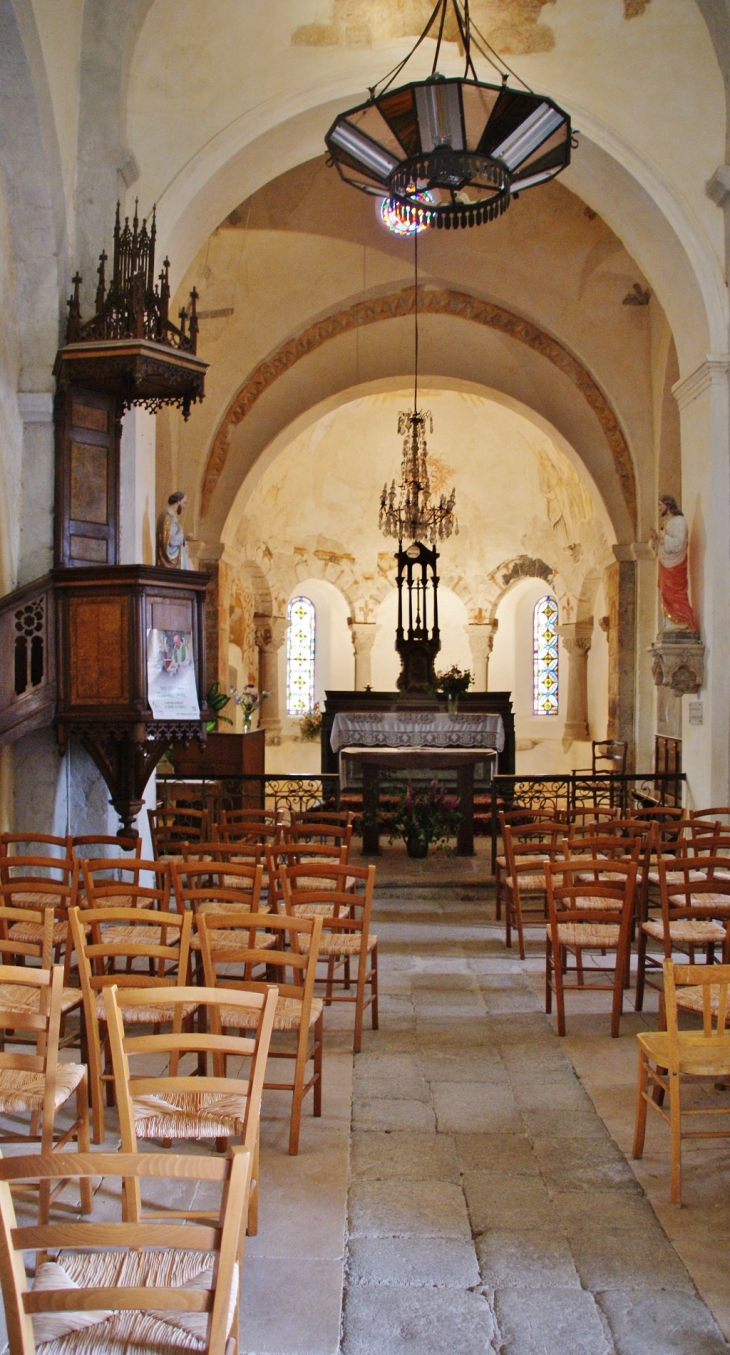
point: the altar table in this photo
(417, 729)
(373, 760)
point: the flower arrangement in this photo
(422, 815)
(249, 700)
(216, 700)
(452, 684)
(310, 725)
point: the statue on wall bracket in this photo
(678, 654)
(171, 539)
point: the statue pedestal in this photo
(678, 668)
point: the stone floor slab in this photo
(531, 1260)
(410, 1157)
(550, 1322)
(442, 1262)
(400, 1321)
(394, 1208)
(661, 1324)
(290, 1307)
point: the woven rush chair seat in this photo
(531, 884)
(125, 1333)
(593, 901)
(13, 998)
(694, 932)
(691, 999)
(333, 943)
(188, 1115)
(288, 1014)
(578, 934)
(141, 1015)
(264, 940)
(21, 1090)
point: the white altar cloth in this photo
(417, 729)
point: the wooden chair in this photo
(526, 849)
(346, 931)
(46, 884)
(668, 1059)
(196, 1107)
(169, 828)
(516, 818)
(248, 853)
(154, 1288)
(297, 1009)
(719, 815)
(692, 898)
(38, 927)
(233, 887)
(37, 1084)
(102, 938)
(113, 883)
(590, 906)
(290, 854)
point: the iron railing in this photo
(574, 790)
(251, 790)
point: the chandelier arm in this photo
(388, 79)
(465, 30)
(415, 311)
(440, 36)
(499, 59)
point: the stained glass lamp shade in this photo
(545, 657)
(471, 146)
(300, 644)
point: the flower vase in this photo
(452, 704)
(417, 847)
(247, 724)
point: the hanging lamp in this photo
(450, 152)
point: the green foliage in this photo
(216, 699)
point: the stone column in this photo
(481, 640)
(363, 638)
(703, 397)
(36, 518)
(576, 638)
(270, 635)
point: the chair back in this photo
(229, 818)
(348, 909)
(590, 889)
(712, 981)
(150, 1289)
(702, 893)
(337, 834)
(159, 942)
(37, 886)
(247, 853)
(92, 845)
(343, 817)
(587, 814)
(161, 1103)
(117, 883)
(26, 844)
(315, 855)
(657, 814)
(721, 813)
(205, 886)
(611, 753)
(169, 828)
(608, 827)
(249, 831)
(605, 847)
(35, 1006)
(235, 946)
(526, 846)
(33, 938)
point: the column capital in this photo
(270, 632)
(712, 372)
(576, 635)
(363, 635)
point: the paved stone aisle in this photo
(489, 1208)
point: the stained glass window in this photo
(545, 658)
(300, 657)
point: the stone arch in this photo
(432, 301)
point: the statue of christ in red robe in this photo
(670, 544)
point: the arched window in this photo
(545, 658)
(300, 657)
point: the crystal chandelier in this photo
(406, 512)
(450, 152)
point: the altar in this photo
(370, 719)
(432, 759)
